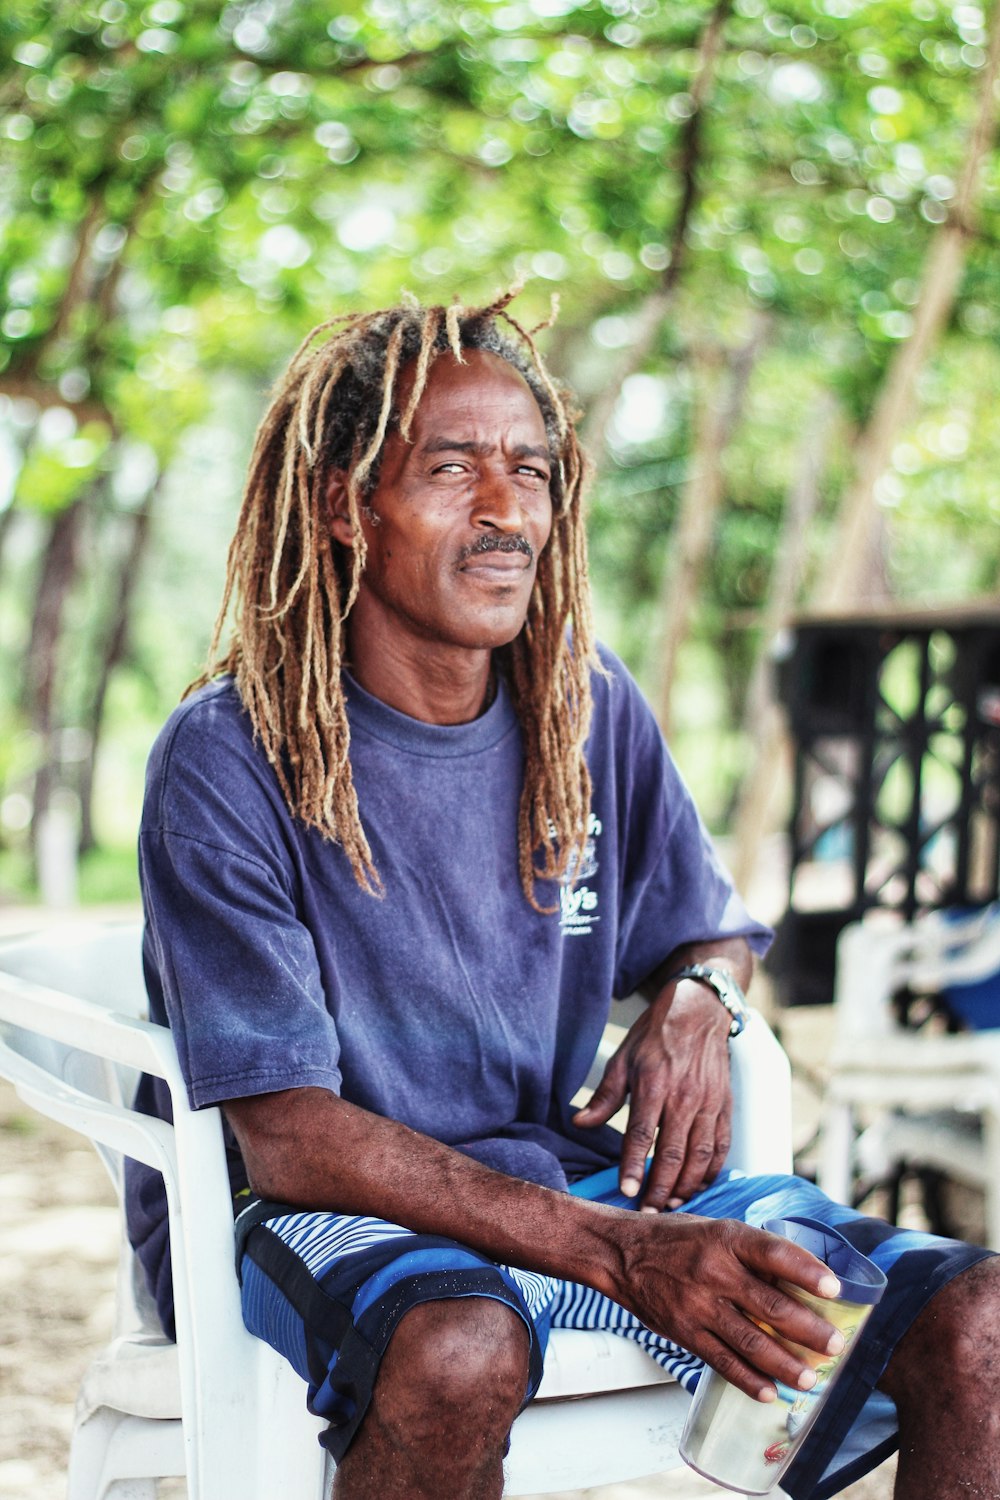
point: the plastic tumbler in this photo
(747, 1445)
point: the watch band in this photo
(726, 991)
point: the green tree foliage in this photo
(186, 187)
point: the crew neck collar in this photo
(371, 716)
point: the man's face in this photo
(460, 512)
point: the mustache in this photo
(490, 541)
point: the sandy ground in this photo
(58, 1245)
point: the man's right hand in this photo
(709, 1284)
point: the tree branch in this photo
(654, 310)
(31, 388)
(720, 395)
(845, 580)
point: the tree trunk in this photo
(115, 647)
(763, 722)
(717, 412)
(81, 269)
(6, 527)
(792, 554)
(653, 313)
(58, 573)
(854, 545)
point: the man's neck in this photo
(427, 682)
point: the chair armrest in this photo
(62, 1054)
(89, 1027)
(762, 1095)
(117, 1127)
(762, 1100)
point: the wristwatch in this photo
(727, 991)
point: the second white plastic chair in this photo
(926, 1097)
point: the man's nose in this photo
(497, 504)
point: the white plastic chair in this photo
(896, 1095)
(219, 1406)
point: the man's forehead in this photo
(483, 387)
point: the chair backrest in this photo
(908, 1093)
(970, 991)
(951, 955)
(102, 965)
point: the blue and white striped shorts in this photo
(328, 1290)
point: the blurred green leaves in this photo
(60, 465)
(186, 187)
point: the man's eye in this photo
(451, 467)
(533, 473)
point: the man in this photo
(399, 849)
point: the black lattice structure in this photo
(896, 727)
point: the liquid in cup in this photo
(747, 1445)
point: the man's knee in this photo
(460, 1358)
(969, 1321)
(953, 1348)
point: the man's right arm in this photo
(704, 1283)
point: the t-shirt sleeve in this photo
(674, 887)
(227, 955)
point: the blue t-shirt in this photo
(447, 1003)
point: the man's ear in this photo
(338, 508)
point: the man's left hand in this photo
(673, 1067)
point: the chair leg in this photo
(932, 1191)
(894, 1185)
(87, 1455)
(115, 1456)
(835, 1172)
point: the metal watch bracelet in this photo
(725, 989)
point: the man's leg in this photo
(450, 1384)
(944, 1378)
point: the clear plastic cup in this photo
(747, 1445)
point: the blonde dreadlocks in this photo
(294, 586)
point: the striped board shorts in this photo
(327, 1291)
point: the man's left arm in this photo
(673, 1067)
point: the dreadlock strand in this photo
(430, 328)
(359, 548)
(234, 563)
(331, 699)
(453, 330)
(294, 495)
(281, 518)
(501, 302)
(554, 304)
(331, 378)
(312, 349)
(540, 367)
(308, 409)
(311, 678)
(364, 465)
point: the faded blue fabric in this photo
(449, 1003)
